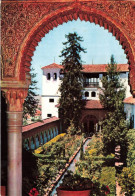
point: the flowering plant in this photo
(33, 192)
(74, 182)
(105, 189)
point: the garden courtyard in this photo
(95, 170)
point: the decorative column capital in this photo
(15, 98)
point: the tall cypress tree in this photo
(114, 125)
(113, 91)
(71, 87)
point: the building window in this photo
(93, 94)
(48, 76)
(86, 94)
(55, 76)
(49, 115)
(51, 100)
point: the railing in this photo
(90, 84)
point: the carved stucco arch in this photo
(24, 23)
(48, 22)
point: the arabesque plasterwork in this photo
(19, 18)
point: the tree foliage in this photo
(113, 91)
(71, 87)
(114, 126)
(31, 103)
(127, 181)
(114, 133)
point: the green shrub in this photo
(54, 157)
(131, 148)
(94, 166)
(127, 181)
(74, 182)
(108, 178)
(126, 178)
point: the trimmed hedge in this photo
(55, 139)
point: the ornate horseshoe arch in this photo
(24, 23)
(65, 14)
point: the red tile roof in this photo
(90, 104)
(93, 104)
(97, 68)
(38, 124)
(129, 100)
(101, 68)
(52, 66)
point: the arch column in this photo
(29, 143)
(14, 153)
(15, 99)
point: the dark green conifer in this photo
(113, 91)
(114, 127)
(71, 87)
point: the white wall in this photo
(49, 107)
(50, 87)
(124, 81)
(50, 91)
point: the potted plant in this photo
(74, 185)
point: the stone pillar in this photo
(96, 127)
(29, 143)
(14, 153)
(99, 127)
(43, 137)
(39, 138)
(15, 99)
(35, 136)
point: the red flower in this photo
(107, 191)
(33, 192)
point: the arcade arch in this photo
(89, 124)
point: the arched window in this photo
(86, 94)
(55, 76)
(93, 94)
(32, 146)
(48, 76)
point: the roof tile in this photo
(53, 66)
(101, 68)
(90, 68)
(129, 100)
(93, 104)
(38, 124)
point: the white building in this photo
(92, 82)
(50, 94)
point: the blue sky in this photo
(99, 44)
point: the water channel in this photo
(71, 167)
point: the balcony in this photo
(90, 84)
